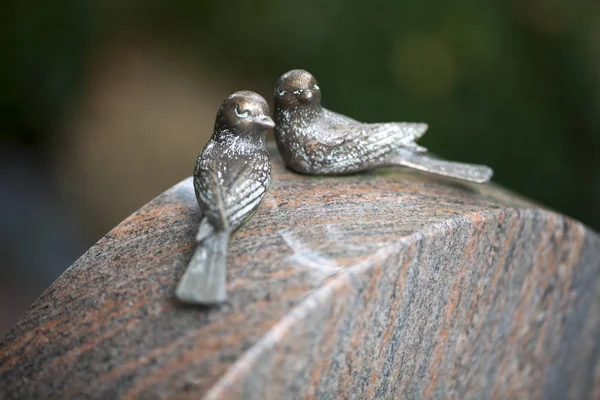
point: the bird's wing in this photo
(340, 128)
(249, 189)
(376, 136)
(350, 144)
(229, 195)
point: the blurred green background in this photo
(103, 105)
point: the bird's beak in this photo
(264, 121)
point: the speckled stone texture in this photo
(392, 284)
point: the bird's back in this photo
(230, 179)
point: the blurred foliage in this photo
(515, 85)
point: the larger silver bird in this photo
(231, 177)
(314, 140)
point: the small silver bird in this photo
(313, 140)
(231, 177)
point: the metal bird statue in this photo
(314, 140)
(231, 177)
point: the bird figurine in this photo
(231, 177)
(313, 140)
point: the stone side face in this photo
(501, 305)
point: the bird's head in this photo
(296, 88)
(244, 113)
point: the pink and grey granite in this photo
(392, 284)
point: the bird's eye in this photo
(243, 114)
(280, 92)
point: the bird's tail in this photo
(204, 281)
(467, 172)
